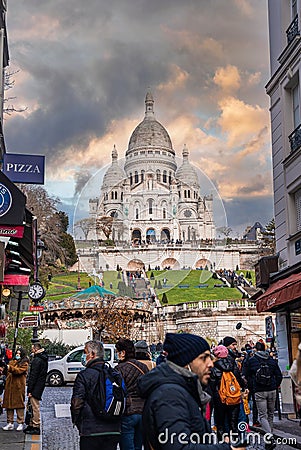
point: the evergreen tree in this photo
(164, 299)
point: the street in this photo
(58, 432)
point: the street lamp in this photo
(239, 325)
(36, 290)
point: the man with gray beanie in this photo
(173, 416)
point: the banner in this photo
(20, 168)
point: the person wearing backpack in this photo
(173, 414)
(226, 385)
(98, 426)
(131, 371)
(267, 377)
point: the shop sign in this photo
(20, 168)
(11, 231)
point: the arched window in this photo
(115, 195)
(185, 193)
(136, 177)
(169, 178)
(136, 213)
(112, 195)
(121, 196)
(150, 206)
(142, 175)
(164, 213)
(158, 173)
(188, 193)
(131, 179)
(164, 176)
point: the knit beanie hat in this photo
(184, 347)
(228, 340)
(220, 351)
(141, 346)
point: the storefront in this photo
(283, 297)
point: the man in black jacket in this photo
(95, 432)
(36, 385)
(173, 415)
(267, 377)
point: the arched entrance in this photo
(136, 236)
(135, 264)
(202, 263)
(165, 235)
(171, 263)
(150, 235)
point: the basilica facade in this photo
(150, 198)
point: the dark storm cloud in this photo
(250, 210)
(85, 65)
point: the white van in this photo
(64, 370)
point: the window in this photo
(136, 177)
(294, 8)
(115, 195)
(137, 213)
(131, 179)
(164, 213)
(169, 178)
(296, 105)
(164, 176)
(112, 195)
(185, 194)
(150, 206)
(158, 175)
(298, 208)
(142, 175)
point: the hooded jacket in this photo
(255, 362)
(38, 374)
(173, 413)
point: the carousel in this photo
(96, 308)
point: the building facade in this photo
(151, 199)
(284, 293)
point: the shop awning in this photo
(279, 293)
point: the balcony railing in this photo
(295, 139)
(293, 30)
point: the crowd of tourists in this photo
(194, 394)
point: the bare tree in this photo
(9, 83)
(86, 225)
(104, 224)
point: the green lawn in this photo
(65, 285)
(193, 278)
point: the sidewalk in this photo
(17, 440)
(284, 429)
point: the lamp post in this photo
(78, 272)
(39, 247)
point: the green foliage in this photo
(23, 339)
(68, 244)
(164, 299)
(58, 348)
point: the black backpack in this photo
(108, 397)
(264, 374)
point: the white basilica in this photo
(151, 199)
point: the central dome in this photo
(150, 133)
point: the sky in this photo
(83, 69)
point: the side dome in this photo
(150, 133)
(186, 173)
(114, 174)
